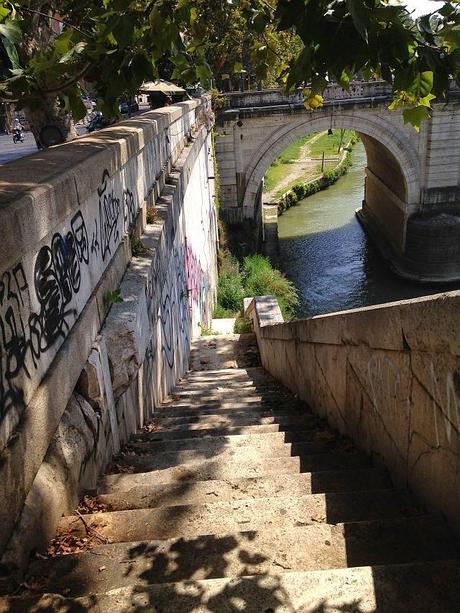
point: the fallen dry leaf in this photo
(66, 544)
(124, 469)
(90, 505)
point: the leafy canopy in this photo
(117, 44)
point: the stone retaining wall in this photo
(80, 371)
(387, 376)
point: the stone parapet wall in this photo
(357, 89)
(387, 376)
(75, 383)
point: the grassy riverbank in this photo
(303, 162)
(303, 189)
(277, 170)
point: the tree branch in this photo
(72, 81)
(69, 25)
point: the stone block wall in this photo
(388, 377)
(80, 371)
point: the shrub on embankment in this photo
(300, 191)
(255, 276)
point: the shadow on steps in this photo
(314, 529)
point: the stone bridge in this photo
(412, 187)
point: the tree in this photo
(49, 46)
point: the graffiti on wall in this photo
(174, 317)
(38, 309)
(129, 209)
(194, 276)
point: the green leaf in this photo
(4, 12)
(319, 84)
(12, 54)
(360, 16)
(11, 31)
(426, 101)
(451, 36)
(238, 67)
(74, 104)
(344, 80)
(76, 50)
(416, 115)
(113, 297)
(203, 72)
(422, 85)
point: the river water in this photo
(327, 255)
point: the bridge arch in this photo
(390, 154)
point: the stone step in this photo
(188, 390)
(223, 517)
(256, 373)
(225, 469)
(262, 440)
(306, 548)
(395, 588)
(237, 457)
(201, 471)
(399, 588)
(179, 433)
(217, 391)
(234, 409)
(149, 460)
(200, 492)
(245, 418)
(229, 401)
(242, 382)
(247, 337)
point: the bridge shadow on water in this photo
(341, 269)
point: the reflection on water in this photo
(325, 252)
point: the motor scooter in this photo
(18, 136)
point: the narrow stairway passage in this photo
(237, 497)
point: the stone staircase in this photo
(238, 498)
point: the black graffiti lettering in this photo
(95, 246)
(81, 237)
(73, 263)
(57, 279)
(53, 291)
(57, 265)
(129, 208)
(13, 345)
(109, 213)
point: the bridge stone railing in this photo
(387, 376)
(274, 97)
(359, 90)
